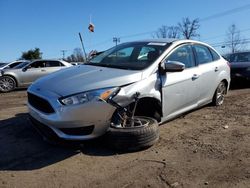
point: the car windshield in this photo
(238, 57)
(3, 64)
(21, 65)
(131, 56)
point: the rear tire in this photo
(134, 138)
(219, 94)
(7, 84)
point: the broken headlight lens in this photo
(81, 98)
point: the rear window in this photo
(203, 54)
(53, 64)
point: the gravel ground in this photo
(208, 147)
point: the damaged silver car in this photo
(133, 83)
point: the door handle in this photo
(195, 76)
(216, 69)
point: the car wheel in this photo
(7, 84)
(142, 135)
(219, 95)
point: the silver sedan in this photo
(169, 77)
(23, 77)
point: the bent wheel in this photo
(142, 135)
(7, 84)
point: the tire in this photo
(7, 84)
(219, 94)
(134, 138)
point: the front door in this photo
(180, 89)
(33, 72)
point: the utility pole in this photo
(80, 36)
(63, 53)
(116, 40)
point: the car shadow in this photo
(22, 148)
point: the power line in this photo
(137, 34)
(228, 12)
(224, 13)
(219, 36)
(243, 41)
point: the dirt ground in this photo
(209, 147)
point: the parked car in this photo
(26, 74)
(12, 64)
(120, 91)
(240, 65)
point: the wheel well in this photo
(149, 107)
(12, 78)
(226, 82)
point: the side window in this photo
(214, 54)
(242, 57)
(183, 54)
(37, 64)
(53, 64)
(203, 54)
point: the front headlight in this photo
(98, 95)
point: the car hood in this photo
(84, 78)
(240, 64)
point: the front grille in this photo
(78, 131)
(40, 104)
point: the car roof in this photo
(173, 40)
(167, 40)
(62, 61)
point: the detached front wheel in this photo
(7, 84)
(142, 134)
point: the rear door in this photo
(179, 89)
(209, 67)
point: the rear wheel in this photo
(219, 94)
(7, 84)
(142, 134)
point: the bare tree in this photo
(167, 32)
(234, 41)
(188, 28)
(161, 32)
(77, 56)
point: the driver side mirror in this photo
(24, 69)
(173, 66)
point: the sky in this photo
(53, 25)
